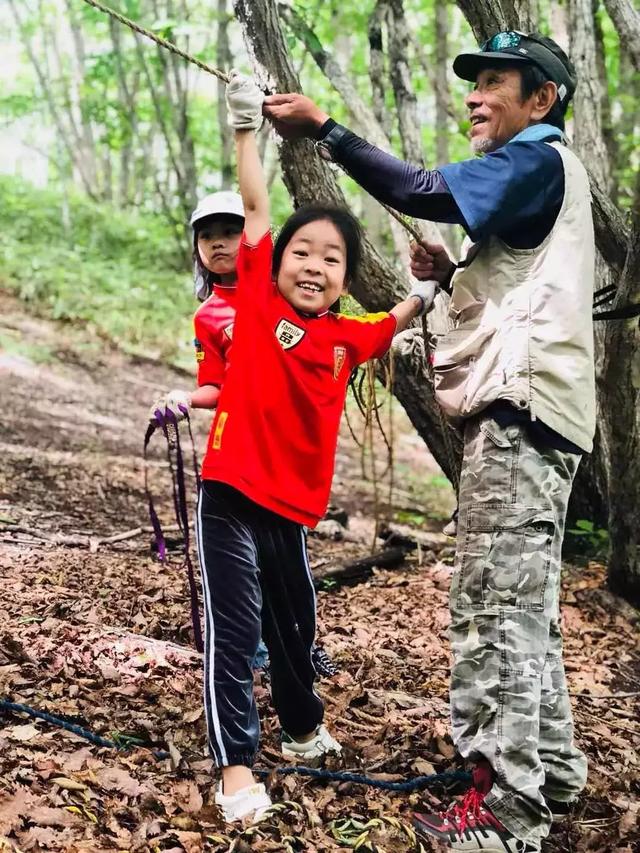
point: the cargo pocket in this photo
(499, 436)
(506, 557)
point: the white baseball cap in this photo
(225, 202)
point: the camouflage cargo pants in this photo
(509, 701)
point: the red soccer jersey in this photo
(213, 327)
(275, 430)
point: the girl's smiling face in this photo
(313, 268)
(218, 242)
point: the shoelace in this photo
(470, 812)
(323, 663)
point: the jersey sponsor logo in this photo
(288, 334)
(229, 331)
(199, 349)
(220, 425)
(339, 355)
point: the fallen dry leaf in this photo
(47, 816)
(116, 779)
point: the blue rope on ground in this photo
(70, 727)
(416, 784)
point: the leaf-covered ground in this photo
(98, 633)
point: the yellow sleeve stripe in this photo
(366, 318)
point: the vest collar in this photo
(538, 133)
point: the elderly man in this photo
(517, 373)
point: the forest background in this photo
(106, 141)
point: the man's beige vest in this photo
(522, 323)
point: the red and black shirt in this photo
(213, 327)
(275, 430)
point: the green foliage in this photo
(73, 259)
(586, 538)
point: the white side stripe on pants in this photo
(209, 656)
(305, 556)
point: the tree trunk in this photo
(621, 423)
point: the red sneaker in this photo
(470, 825)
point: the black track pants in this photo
(256, 578)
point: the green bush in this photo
(122, 274)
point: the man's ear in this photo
(544, 99)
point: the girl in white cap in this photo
(217, 225)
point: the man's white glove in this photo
(426, 292)
(175, 404)
(244, 102)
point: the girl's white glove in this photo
(176, 403)
(426, 292)
(244, 102)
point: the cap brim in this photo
(210, 214)
(468, 65)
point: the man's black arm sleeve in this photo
(422, 193)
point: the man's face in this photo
(496, 109)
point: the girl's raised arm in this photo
(244, 101)
(253, 186)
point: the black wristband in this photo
(325, 128)
(446, 285)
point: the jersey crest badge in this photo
(199, 350)
(288, 334)
(229, 331)
(339, 355)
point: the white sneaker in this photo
(250, 800)
(320, 744)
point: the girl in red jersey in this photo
(269, 463)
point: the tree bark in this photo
(406, 103)
(626, 20)
(440, 82)
(588, 137)
(620, 388)
(376, 68)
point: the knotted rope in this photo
(163, 42)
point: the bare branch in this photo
(223, 60)
(626, 20)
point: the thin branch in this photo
(626, 20)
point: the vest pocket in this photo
(453, 361)
(506, 557)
